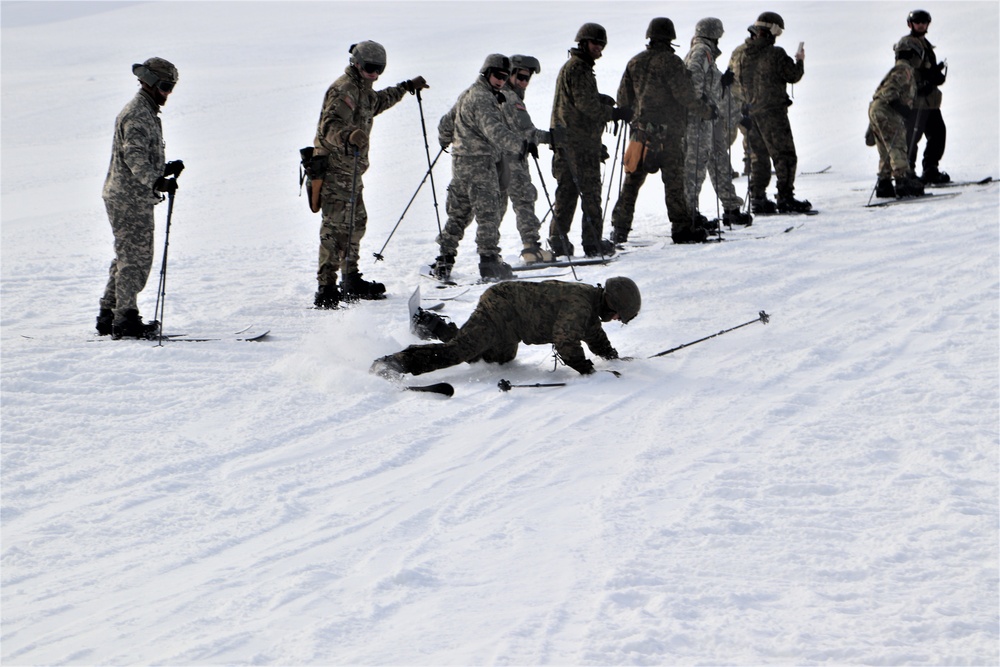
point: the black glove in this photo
(415, 84)
(746, 122)
(164, 184)
(727, 78)
(560, 135)
(900, 108)
(173, 168)
(715, 111)
(607, 100)
(621, 113)
(530, 148)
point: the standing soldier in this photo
(521, 191)
(887, 114)
(136, 176)
(762, 71)
(345, 124)
(656, 85)
(925, 119)
(708, 141)
(581, 112)
(481, 138)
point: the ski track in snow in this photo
(820, 489)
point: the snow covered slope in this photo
(822, 489)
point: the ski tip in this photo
(441, 388)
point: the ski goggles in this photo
(373, 68)
(523, 77)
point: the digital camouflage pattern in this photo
(762, 72)
(550, 312)
(350, 104)
(137, 161)
(888, 125)
(576, 166)
(521, 191)
(708, 141)
(480, 137)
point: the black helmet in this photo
(770, 21)
(157, 73)
(918, 16)
(495, 62)
(592, 32)
(622, 295)
(369, 56)
(661, 30)
(525, 62)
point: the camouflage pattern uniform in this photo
(576, 166)
(925, 119)
(137, 162)
(657, 87)
(521, 190)
(708, 141)
(762, 71)
(510, 313)
(480, 136)
(350, 104)
(888, 125)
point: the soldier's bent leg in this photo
(459, 209)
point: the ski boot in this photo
(388, 368)
(619, 236)
(132, 326)
(685, 235)
(884, 189)
(354, 287)
(427, 325)
(793, 205)
(604, 248)
(763, 206)
(534, 253)
(560, 247)
(327, 297)
(909, 186)
(441, 268)
(492, 269)
(735, 216)
(932, 176)
(105, 320)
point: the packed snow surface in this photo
(819, 489)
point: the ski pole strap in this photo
(762, 317)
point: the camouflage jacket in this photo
(763, 72)
(563, 314)
(476, 126)
(517, 116)
(137, 152)
(350, 104)
(657, 87)
(899, 85)
(928, 77)
(577, 104)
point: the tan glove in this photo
(359, 139)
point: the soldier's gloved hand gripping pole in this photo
(166, 183)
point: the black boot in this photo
(105, 320)
(132, 326)
(327, 297)
(354, 287)
(932, 176)
(604, 248)
(884, 188)
(909, 186)
(492, 269)
(441, 268)
(689, 235)
(619, 235)
(561, 246)
(763, 206)
(793, 205)
(735, 216)
(428, 325)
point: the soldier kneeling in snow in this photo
(563, 314)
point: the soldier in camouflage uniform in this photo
(887, 115)
(762, 72)
(708, 141)
(925, 119)
(580, 112)
(345, 123)
(480, 139)
(521, 191)
(560, 313)
(137, 174)
(657, 86)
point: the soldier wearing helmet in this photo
(925, 119)
(656, 85)
(481, 142)
(579, 114)
(562, 314)
(887, 114)
(138, 173)
(345, 123)
(763, 71)
(708, 140)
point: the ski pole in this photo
(611, 180)
(161, 290)
(541, 178)
(378, 255)
(430, 165)
(354, 194)
(505, 385)
(762, 317)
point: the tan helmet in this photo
(155, 70)
(495, 62)
(529, 63)
(369, 56)
(592, 32)
(622, 295)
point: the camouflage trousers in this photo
(708, 151)
(484, 337)
(578, 176)
(339, 244)
(133, 227)
(889, 128)
(474, 192)
(770, 139)
(667, 152)
(523, 195)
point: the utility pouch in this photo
(635, 155)
(312, 168)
